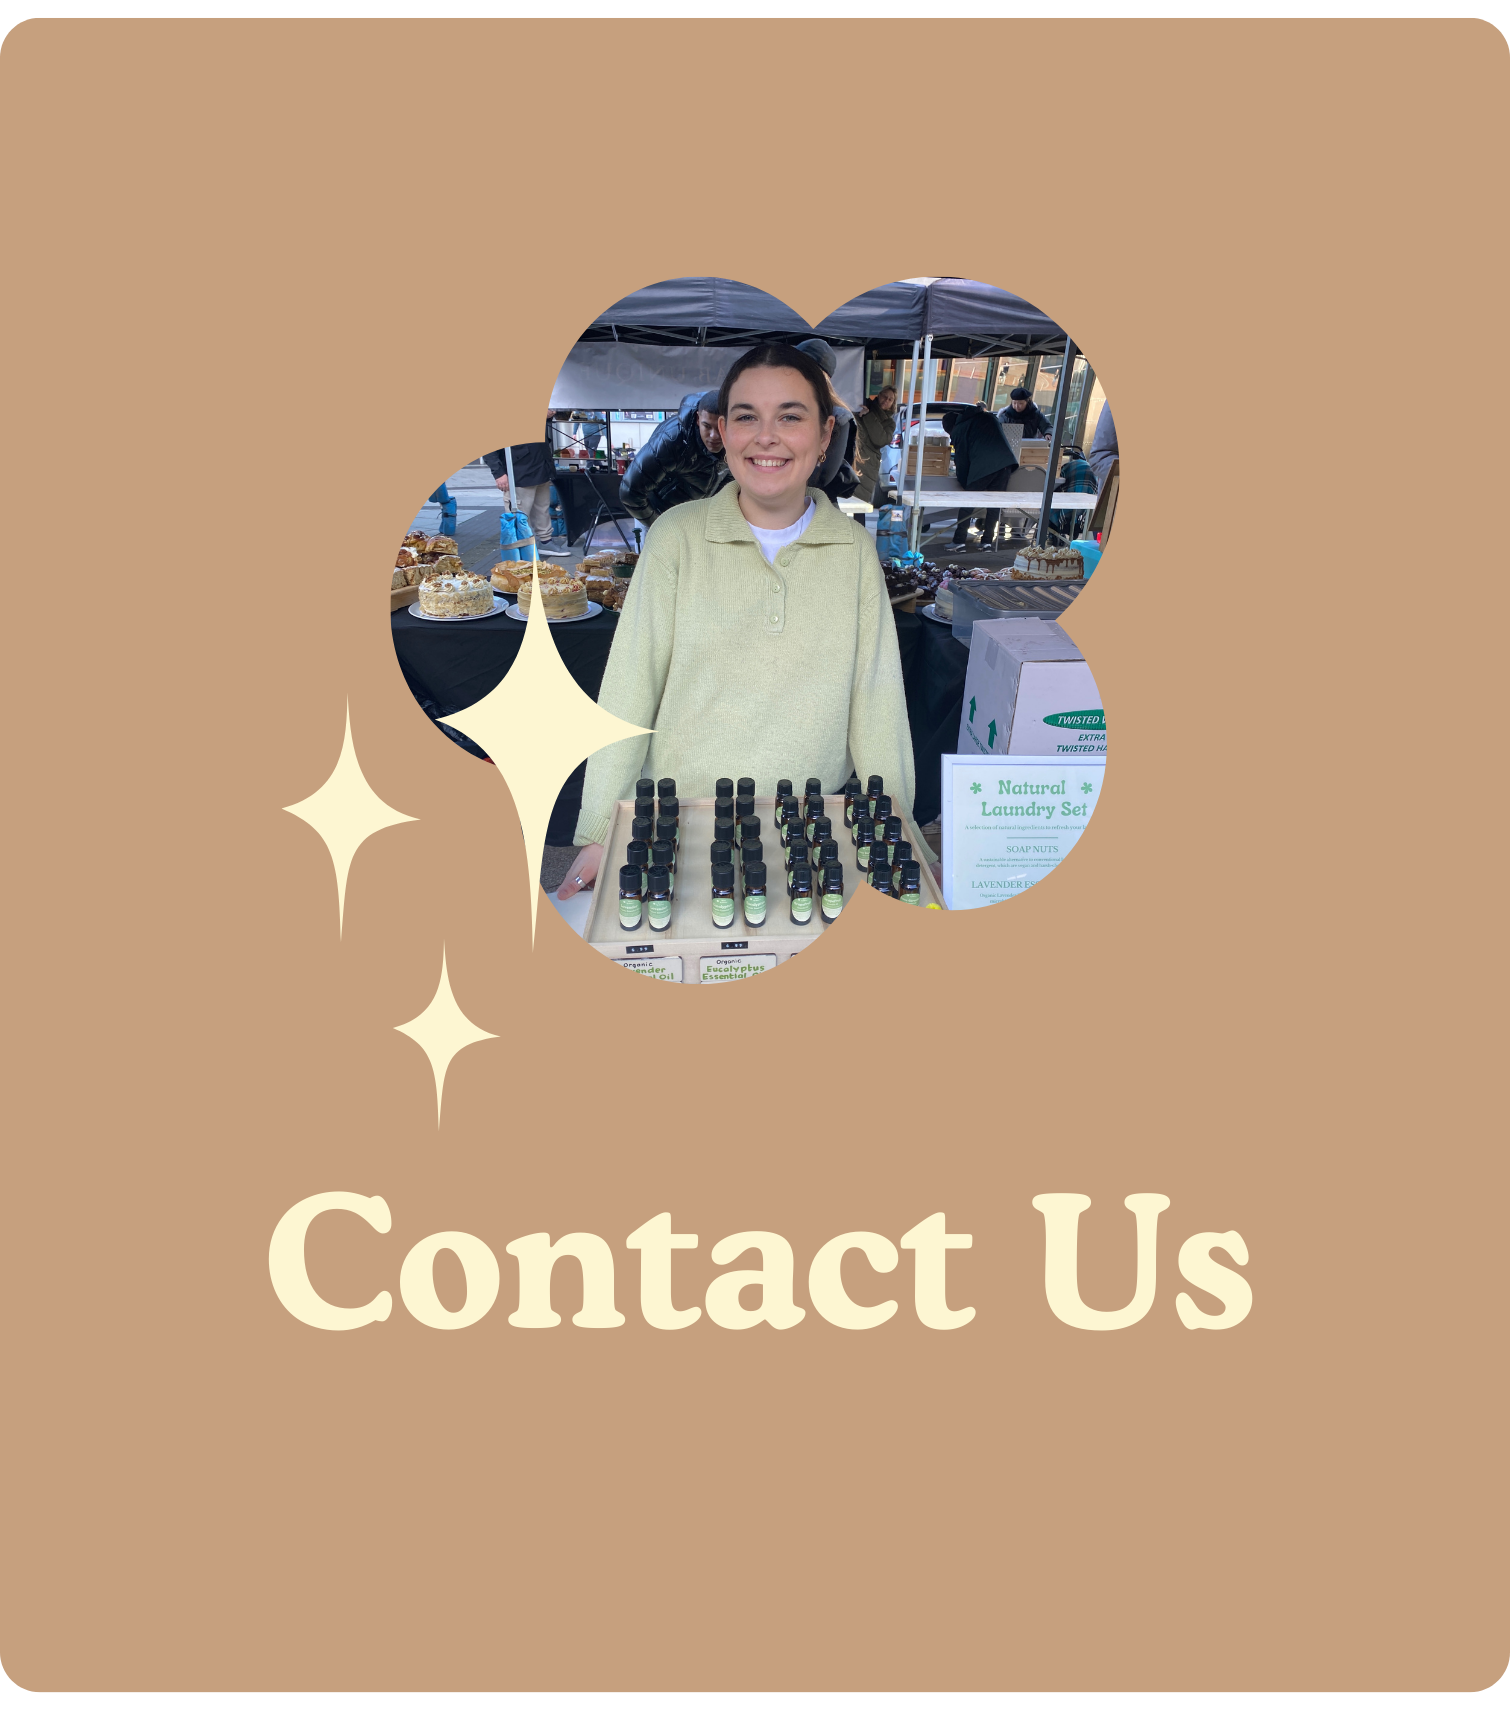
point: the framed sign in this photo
(1008, 821)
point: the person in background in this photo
(1075, 476)
(875, 424)
(982, 459)
(534, 464)
(1103, 446)
(681, 461)
(592, 429)
(1024, 413)
(836, 477)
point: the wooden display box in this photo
(692, 950)
(935, 461)
(1033, 454)
(399, 598)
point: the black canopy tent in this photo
(964, 317)
(695, 312)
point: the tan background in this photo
(268, 283)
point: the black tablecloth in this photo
(449, 666)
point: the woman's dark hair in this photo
(781, 356)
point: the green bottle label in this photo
(723, 911)
(629, 913)
(802, 909)
(862, 856)
(755, 910)
(660, 912)
(913, 897)
(833, 901)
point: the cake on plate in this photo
(562, 596)
(1047, 564)
(455, 593)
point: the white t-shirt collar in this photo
(771, 540)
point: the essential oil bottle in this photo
(802, 897)
(865, 843)
(720, 854)
(744, 806)
(833, 891)
(862, 818)
(745, 787)
(826, 853)
(912, 884)
(822, 830)
(853, 796)
(880, 813)
(783, 790)
(754, 888)
(814, 787)
(723, 897)
(791, 825)
(637, 855)
(750, 851)
(642, 830)
(658, 899)
(666, 787)
(723, 829)
(631, 909)
(893, 837)
(880, 875)
(874, 785)
(671, 808)
(723, 797)
(667, 830)
(644, 797)
(664, 855)
(749, 829)
(812, 808)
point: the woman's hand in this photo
(581, 873)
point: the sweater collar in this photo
(726, 522)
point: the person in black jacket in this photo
(682, 460)
(836, 475)
(1024, 413)
(534, 465)
(983, 459)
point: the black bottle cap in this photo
(749, 825)
(638, 852)
(912, 870)
(746, 787)
(791, 804)
(783, 787)
(723, 878)
(723, 789)
(670, 807)
(880, 870)
(902, 855)
(720, 854)
(643, 787)
(815, 786)
(802, 879)
(660, 878)
(865, 826)
(874, 784)
(828, 852)
(629, 877)
(893, 827)
(751, 852)
(754, 875)
(883, 808)
(661, 853)
(822, 826)
(743, 805)
(813, 804)
(641, 828)
(666, 787)
(665, 831)
(833, 877)
(723, 828)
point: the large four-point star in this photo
(441, 1029)
(346, 810)
(537, 727)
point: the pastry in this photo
(455, 593)
(440, 543)
(448, 564)
(406, 557)
(562, 596)
(1047, 563)
(399, 579)
(507, 574)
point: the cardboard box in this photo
(1028, 690)
(691, 949)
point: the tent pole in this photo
(1061, 407)
(917, 489)
(912, 384)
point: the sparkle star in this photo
(537, 727)
(346, 811)
(442, 1029)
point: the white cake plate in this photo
(499, 604)
(930, 611)
(593, 610)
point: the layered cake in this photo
(455, 593)
(562, 596)
(1047, 564)
(943, 600)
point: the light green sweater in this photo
(744, 668)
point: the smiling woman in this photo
(757, 624)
